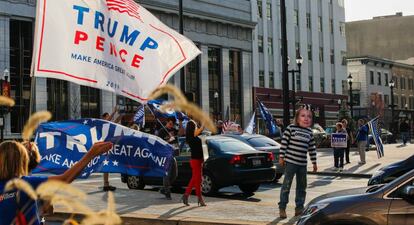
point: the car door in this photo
(401, 210)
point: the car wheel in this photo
(135, 182)
(208, 185)
(249, 188)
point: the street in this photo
(230, 205)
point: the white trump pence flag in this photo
(114, 45)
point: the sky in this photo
(366, 9)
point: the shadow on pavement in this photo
(279, 221)
(177, 211)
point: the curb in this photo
(149, 219)
(357, 175)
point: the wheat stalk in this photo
(6, 101)
(33, 122)
(168, 89)
(22, 185)
(48, 189)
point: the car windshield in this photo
(330, 130)
(227, 145)
(262, 142)
(317, 128)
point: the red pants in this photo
(196, 168)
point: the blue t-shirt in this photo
(8, 204)
(362, 133)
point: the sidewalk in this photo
(392, 153)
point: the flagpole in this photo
(162, 125)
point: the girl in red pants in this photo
(192, 133)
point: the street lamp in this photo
(299, 61)
(392, 84)
(339, 104)
(351, 103)
(216, 95)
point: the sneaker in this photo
(361, 163)
(168, 196)
(340, 169)
(282, 214)
(298, 212)
(109, 188)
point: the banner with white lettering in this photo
(62, 144)
(113, 45)
(339, 140)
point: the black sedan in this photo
(230, 162)
(262, 143)
(391, 203)
(392, 171)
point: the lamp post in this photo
(216, 95)
(392, 84)
(285, 76)
(339, 104)
(299, 61)
(351, 103)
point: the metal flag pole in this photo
(162, 125)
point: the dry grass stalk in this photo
(74, 206)
(22, 185)
(70, 222)
(48, 189)
(6, 101)
(107, 217)
(168, 89)
(182, 104)
(33, 122)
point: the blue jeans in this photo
(404, 137)
(339, 157)
(301, 183)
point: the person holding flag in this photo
(361, 139)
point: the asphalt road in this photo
(229, 205)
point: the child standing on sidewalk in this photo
(297, 142)
(339, 152)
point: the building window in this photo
(271, 80)
(260, 43)
(261, 79)
(386, 79)
(386, 100)
(192, 79)
(402, 83)
(403, 101)
(333, 86)
(356, 98)
(214, 82)
(320, 54)
(379, 78)
(332, 56)
(411, 105)
(310, 83)
(410, 84)
(259, 8)
(296, 17)
(371, 77)
(308, 21)
(310, 52)
(322, 84)
(235, 85)
(343, 57)
(57, 99)
(269, 11)
(331, 27)
(270, 46)
(342, 29)
(297, 49)
(319, 23)
(90, 102)
(395, 79)
(396, 100)
(21, 39)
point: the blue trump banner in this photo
(268, 118)
(139, 117)
(376, 135)
(252, 125)
(62, 144)
(155, 105)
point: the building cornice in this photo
(382, 61)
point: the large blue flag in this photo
(139, 117)
(155, 105)
(376, 135)
(62, 144)
(268, 118)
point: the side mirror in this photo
(408, 193)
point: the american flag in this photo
(125, 6)
(376, 135)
